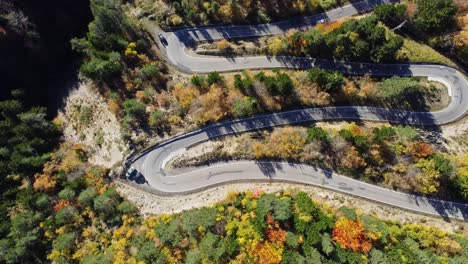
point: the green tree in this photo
(135, 111)
(243, 82)
(212, 248)
(315, 44)
(127, 207)
(104, 205)
(435, 15)
(66, 194)
(192, 220)
(387, 51)
(293, 257)
(66, 215)
(102, 69)
(284, 84)
(147, 251)
(26, 139)
(327, 244)
(108, 24)
(64, 242)
(87, 196)
(169, 233)
(292, 240)
(390, 14)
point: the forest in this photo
(56, 206)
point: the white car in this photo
(321, 21)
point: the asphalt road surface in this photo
(151, 163)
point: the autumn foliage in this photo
(420, 150)
(267, 253)
(61, 204)
(46, 181)
(274, 232)
(351, 235)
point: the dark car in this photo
(162, 39)
(140, 179)
(321, 21)
(131, 173)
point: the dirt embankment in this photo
(87, 121)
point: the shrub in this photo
(223, 45)
(198, 81)
(316, 133)
(245, 107)
(406, 133)
(326, 80)
(149, 71)
(281, 84)
(243, 82)
(327, 4)
(214, 77)
(157, 119)
(383, 133)
(127, 207)
(134, 109)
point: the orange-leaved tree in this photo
(266, 253)
(350, 234)
(421, 150)
(274, 232)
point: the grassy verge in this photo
(416, 52)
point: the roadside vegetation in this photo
(213, 97)
(176, 13)
(358, 40)
(395, 157)
(441, 24)
(433, 31)
(253, 227)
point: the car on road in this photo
(321, 21)
(140, 179)
(131, 173)
(162, 39)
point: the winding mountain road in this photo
(151, 163)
